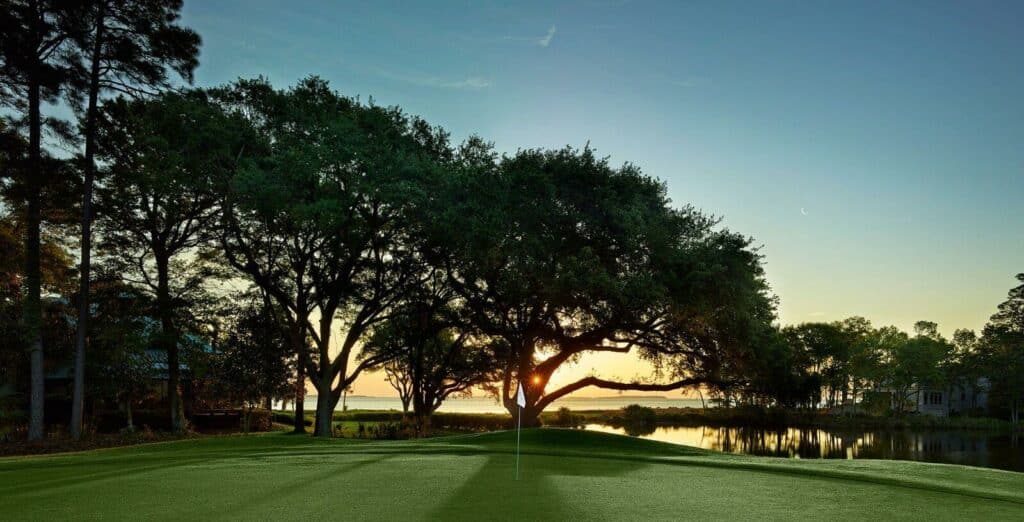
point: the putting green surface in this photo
(564, 475)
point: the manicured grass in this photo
(565, 474)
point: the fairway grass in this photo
(564, 474)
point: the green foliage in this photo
(253, 362)
(565, 418)
(557, 254)
(1001, 353)
(425, 349)
(319, 217)
(639, 420)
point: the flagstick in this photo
(519, 426)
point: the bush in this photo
(260, 420)
(384, 431)
(565, 418)
(287, 417)
(636, 414)
(639, 420)
(471, 422)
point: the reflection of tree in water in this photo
(957, 447)
(639, 429)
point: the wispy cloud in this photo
(540, 41)
(545, 40)
(468, 83)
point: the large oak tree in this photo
(160, 209)
(321, 221)
(559, 255)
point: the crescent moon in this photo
(803, 211)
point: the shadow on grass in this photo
(252, 502)
(492, 493)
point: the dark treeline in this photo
(850, 366)
(250, 239)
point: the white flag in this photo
(520, 397)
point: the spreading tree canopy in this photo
(159, 205)
(321, 220)
(558, 254)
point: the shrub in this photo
(639, 420)
(260, 420)
(565, 418)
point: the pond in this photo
(972, 448)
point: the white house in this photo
(951, 400)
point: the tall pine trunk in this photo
(32, 311)
(169, 338)
(78, 393)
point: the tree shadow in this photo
(493, 493)
(261, 497)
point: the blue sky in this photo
(898, 127)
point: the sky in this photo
(874, 150)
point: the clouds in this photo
(539, 41)
(545, 40)
(436, 82)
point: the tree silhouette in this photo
(129, 47)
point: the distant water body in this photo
(990, 450)
(489, 405)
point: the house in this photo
(951, 400)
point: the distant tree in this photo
(438, 360)
(120, 366)
(822, 346)
(780, 375)
(33, 69)
(253, 363)
(129, 47)
(1002, 352)
(917, 362)
(558, 255)
(159, 211)
(397, 376)
(962, 368)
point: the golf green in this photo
(564, 474)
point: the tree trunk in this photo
(299, 346)
(78, 394)
(169, 338)
(530, 414)
(32, 312)
(326, 401)
(299, 422)
(128, 414)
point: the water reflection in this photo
(955, 447)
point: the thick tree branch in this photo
(624, 386)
